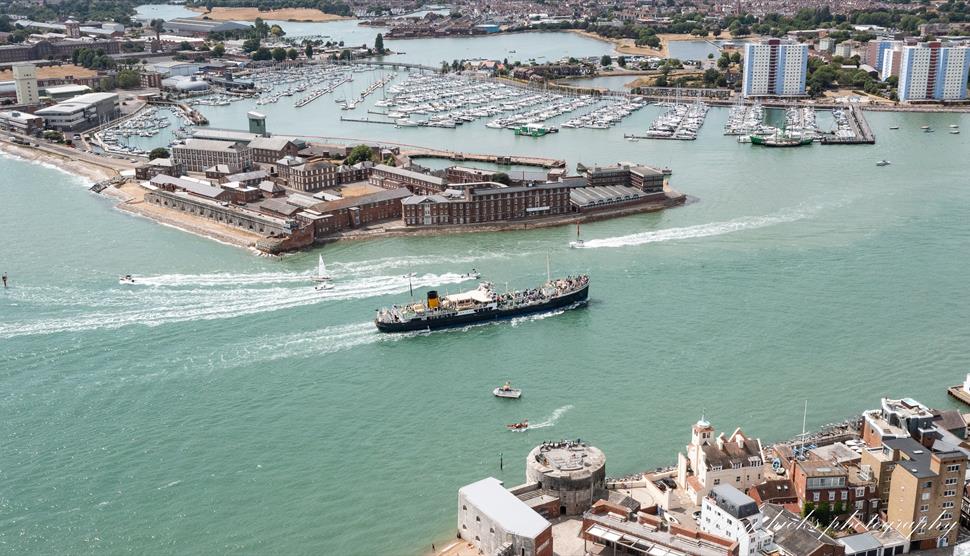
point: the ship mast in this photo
(548, 272)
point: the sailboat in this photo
(322, 275)
(579, 241)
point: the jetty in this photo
(853, 129)
(961, 391)
(503, 160)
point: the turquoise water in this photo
(225, 406)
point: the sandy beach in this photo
(50, 155)
(628, 46)
(250, 14)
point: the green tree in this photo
(251, 44)
(185, 45)
(157, 25)
(621, 61)
(736, 57)
(262, 53)
(292, 54)
(606, 60)
(127, 78)
(158, 152)
(360, 153)
(724, 61)
(379, 44)
(661, 81)
(308, 51)
(279, 54)
(262, 29)
(276, 31)
(710, 76)
(219, 50)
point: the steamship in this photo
(481, 304)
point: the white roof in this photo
(478, 295)
(502, 507)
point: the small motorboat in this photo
(323, 286)
(322, 275)
(474, 274)
(506, 391)
(954, 132)
(924, 127)
(409, 275)
(954, 126)
(928, 130)
(894, 127)
(127, 279)
(883, 163)
(524, 425)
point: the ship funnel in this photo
(432, 299)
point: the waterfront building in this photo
(155, 167)
(307, 175)
(496, 522)
(419, 183)
(793, 536)
(708, 462)
(257, 124)
(774, 68)
(355, 173)
(902, 418)
(891, 58)
(268, 150)
(193, 27)
(247, 179)
(619, 530)
(195, 155)
(727, 512)
(353, 212)
(463, 174)
(776, 491)
(81, 112)
(482, 203)
(644, 178)
(926, 491)
(21, 122)
(25, 80)
(63, 92)
(571, 471)
(933, 72)
(173, 68)
(184, 84)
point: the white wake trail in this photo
(552, 419)
(698, 231)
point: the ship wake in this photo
(552, 419)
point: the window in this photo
(717, 481)
(815, 496)
(928, 484)
(948, 493)
(924, 508)
(925, 496)
(845, 495)
(860, 492)
(950, 481)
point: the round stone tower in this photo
(571, 470)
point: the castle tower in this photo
(25, 79)
(701, 432)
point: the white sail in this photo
(322, 274)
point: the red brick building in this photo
(487, 202)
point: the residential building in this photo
(926, 491)
(481, 203)
(708, 462)
(195, 155)
(790, 535)
(727, 512)
(268, 150)
(933, 72)
(820, 482)
(46, 50)
(644, 178)
(774, 68)
(419, 183)
(25, 79)
(354, 212)
(777, 491)
(462, 174)
(81, 112)
(307, 175)
(902, 418)
(21, 122)
(496, 522)
(875, 51)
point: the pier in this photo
(859, 131)
(365, 121)
(506, 160)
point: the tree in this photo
(308, 51)
(711, 75)
(605, 60)
(724, 61)
(219, 50)
(661, 81)
(736, 57)
(157, 25)
(276, 31)
(621, 61)
(185, 45)
(360, 153)
(292, 54)
(379, 44)
(279, 54)
(502, 178)
(262, 29)
(262, 53)
(251, 44)
(127, 78)
(158, 152)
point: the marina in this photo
(680, 122)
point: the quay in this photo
(861, 132)
(502, 160)
(365, 121)
(961, 391)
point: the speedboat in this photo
(473, 274)
(506, 391)
(524, 425)
(578, 242)
(894, 127)
(883, 163)
(322, 275)
(323, 286)
(954, 131)
(954, 126)
(410, 275)
(126, 280)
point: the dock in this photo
(506, 160)
(861, 132)
(959, 393)
(365, 121)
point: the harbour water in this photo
(223, 405)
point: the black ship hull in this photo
(577, 297)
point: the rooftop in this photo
(566, 458)
(733, 501)
(409, 174)
(503, 508)
(207, 145)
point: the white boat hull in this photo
(514, 393)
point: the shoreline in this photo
(295, 15)
(628, 46)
